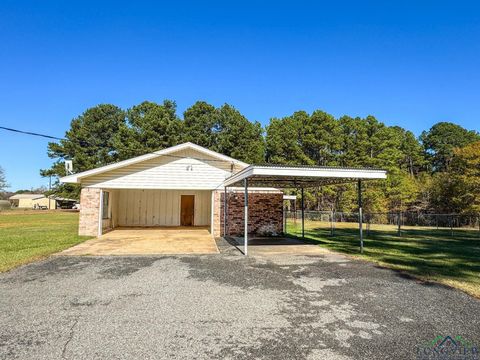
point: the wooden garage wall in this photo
(159, 207)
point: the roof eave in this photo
(306, 172)
(76, 178)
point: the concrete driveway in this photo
(148, 241)
(224, 306)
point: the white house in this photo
(177, 186)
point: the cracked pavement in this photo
(224, 306)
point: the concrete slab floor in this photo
(148, 241)
(269, 246)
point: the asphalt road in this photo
(224, 307)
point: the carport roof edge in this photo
(285, 176)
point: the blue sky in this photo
(410, 63)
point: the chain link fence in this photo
(400, 222)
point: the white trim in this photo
(311, 172)
(143, 187)
(289, 197)
(75, 178)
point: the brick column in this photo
(217, 213)
(89, 212)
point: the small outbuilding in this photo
(32, 201)
(40, 201)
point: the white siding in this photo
(184, 171)
(159, 207)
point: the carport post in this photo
(303, 217)
(332, 223)
(360, 214)
(245, 233)
(225, 212)
(399, 223)
(295, 211)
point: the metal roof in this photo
(286, 176)
(315, 167)
(26, 196)
(62, 199)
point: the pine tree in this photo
(239, 138)
(440, 141)
(88, 143)
(200, 125)
(149, 127)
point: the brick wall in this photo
(89, 208)
(217, 222)
(265, 213)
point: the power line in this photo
(153, 152)
(31, 133)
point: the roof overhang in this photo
(26, 197)
(76, 178)
(280, 176)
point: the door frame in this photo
(193, 210)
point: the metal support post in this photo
(332, 223)
(399, 223)
(225, 212)
(360, 214)
(245, 234)
(303, 216)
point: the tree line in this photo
(436, 172)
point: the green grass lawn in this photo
(427, 254)
(26, 236)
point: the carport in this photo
(298, 177)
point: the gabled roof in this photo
(185, 146)
(26, 196)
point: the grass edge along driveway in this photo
(426, 254)
(26, 236)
